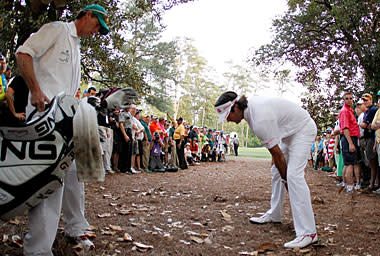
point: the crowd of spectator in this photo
(352, 148)
(134, 142)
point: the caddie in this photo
(288, 132)
(49, 62)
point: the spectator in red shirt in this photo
(154, 126)
(349, 131)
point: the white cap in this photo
(224, 110)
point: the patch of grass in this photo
(253, 153)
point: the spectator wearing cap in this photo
(179, 137)
(365, 171)
(337, 150)
(137, 135)
(376, 126)
(155, 164)
(154, 126)
(117, 139)
(192, 134)
(349, 130)
(369, 138)
(125, 120)
(173, 148)
(164, 137)
(188, 156)
(146, 142)
(195, 150)
(235, 141)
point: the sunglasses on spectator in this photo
(347, 98)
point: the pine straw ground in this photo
(205, 210)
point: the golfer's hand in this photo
(38, 100)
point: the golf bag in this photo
(34, 157)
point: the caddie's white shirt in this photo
(55, 49)
(273, 119)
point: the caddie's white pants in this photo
(296, 150)
(44, 218)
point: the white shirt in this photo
(273, 119)
(55, 50)
(140, 128)
(360, 120)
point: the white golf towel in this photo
(87, 149)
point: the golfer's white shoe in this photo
(302, 241)
(263, 219)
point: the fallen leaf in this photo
(185, 242)
(117, 228)
(192, 233)
(104, 215)
(113, 204)
(142, 247)
(91, 228)
(264, 247)
(228, 228)
(126, 212)
(127, 237)
(304, 251)
(204, 235)
(196, 239)
(14, 221)
(318, 200)
(226, 216)
(90, 235)
(219, 199)
(108, 233)
(107, 196)
(254, 253)
(17, 241)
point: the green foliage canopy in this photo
(334, 43)
(103, 59)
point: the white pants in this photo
(44, 218)
(296, 149)
(107, 151)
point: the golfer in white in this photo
(288, 132)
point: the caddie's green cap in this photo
(101, 14)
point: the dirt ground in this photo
(205, 210)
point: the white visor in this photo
(224, 110)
